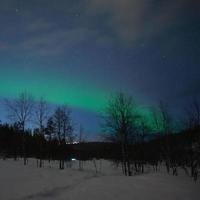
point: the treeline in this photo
(183, 150)
(125, 126)
(175, 150)
(51, 133)
(130, 140)
(17, 144)
(178, 151)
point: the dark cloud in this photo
(132, 20)
(56, 41)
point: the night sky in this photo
(79, 52)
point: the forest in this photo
(127, 140)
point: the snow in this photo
(19, 182)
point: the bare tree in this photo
(20, 112)
(63, 128)
(165, 118)
(156, 119)
(63, 124)
(166, 129)
(50, 129)
(118, 124)
(142, 132)
(41, 114)
(50, 135)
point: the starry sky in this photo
(79, 52)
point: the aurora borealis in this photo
(57, 90)
(78, 52)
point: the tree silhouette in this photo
(41, 116)
(20, 111)
(63, 129)
(119, 123)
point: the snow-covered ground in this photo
(19, 182)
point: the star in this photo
(77, 15)
(142, 45)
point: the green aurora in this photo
(56, 90)
(59, 89)
(80, 52)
